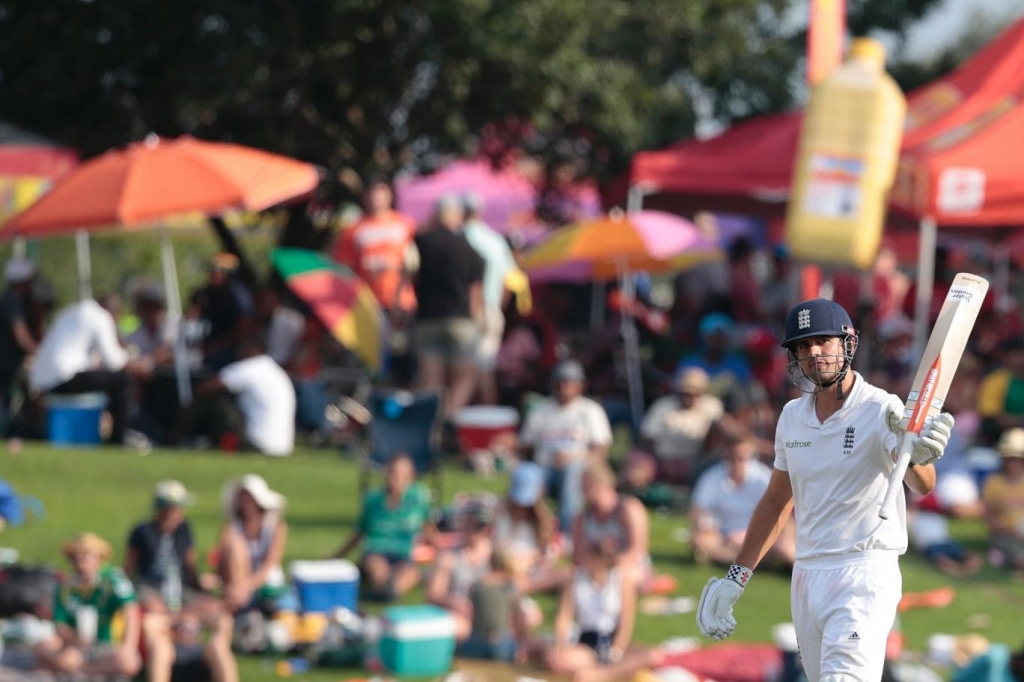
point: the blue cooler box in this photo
(74, 419)
(417, 640)
(325, 585)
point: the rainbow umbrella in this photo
(605, 248)
(339, 299)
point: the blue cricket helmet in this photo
(817, 317)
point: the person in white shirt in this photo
(80, 353)
(260, 390)
(498, 261)
(563, 433)
(834, 450)
(724, 500)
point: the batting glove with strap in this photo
(714, 612)
(931, 443)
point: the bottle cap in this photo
(868, 50)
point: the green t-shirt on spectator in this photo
(108, 598)
(392, 531)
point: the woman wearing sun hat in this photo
(1004, 509)
(252, 543)
(96, 615)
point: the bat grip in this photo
(896, 477)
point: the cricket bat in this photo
(935, 373)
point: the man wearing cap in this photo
(96, 615)
(1003, 498)
(562, 433)
(498, 263)
(675, 426)
(161, 559)
(226, 305)
(835, 449)
(16, 339)
(450, 306)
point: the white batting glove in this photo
(714, 612)
(931, 442)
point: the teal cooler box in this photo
(74, 419)
(417, 640)
(325, 585)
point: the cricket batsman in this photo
(834, 450)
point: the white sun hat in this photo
(255, 485)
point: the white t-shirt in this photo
(574, 428)
(731, 504)
(267, 399)
(676, 432)
(83, 337)
(839, 471)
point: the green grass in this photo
(107, 491)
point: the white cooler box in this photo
(325, 585)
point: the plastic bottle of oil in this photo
(846, 162)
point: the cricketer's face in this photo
(821, 358)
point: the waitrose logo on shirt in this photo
(798, 443)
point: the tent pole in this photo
(19, 248)
(173, 294)
(925, 284)
(84, 265)
(1001, 267)
(631, 348)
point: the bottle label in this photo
(834, 187)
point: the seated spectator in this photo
(16, 338)
(563, 433)
(252, 545)
(252, 396)
(1003, 496)
(456, 571)
(725, 368)
(723, 501)
(161, 559)
(610, 518)
(525, 528)
(639, 479)
(1001, 393)
(389, 524)
(226, 307)
(600, 604)
(152, 337)
(675, 426)
(96, 615)
(929, 534)
(11, 512)
(497, 631)
(64, 362)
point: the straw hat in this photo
(254, 484)
(88, 542)
(1011, 444)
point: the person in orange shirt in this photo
(375, 248)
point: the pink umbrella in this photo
(509, 197)
(605, 248)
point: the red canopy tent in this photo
(954, 166)
(749, 167)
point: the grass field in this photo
(107, 491)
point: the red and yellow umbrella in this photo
(339, 299)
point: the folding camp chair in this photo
(403, 421)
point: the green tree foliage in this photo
(382, 84)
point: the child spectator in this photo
(96, 614)
(497, 630)
(929, 534)
(456, 572)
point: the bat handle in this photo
(896, 477)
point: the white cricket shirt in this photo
(267, 399)
(839, 470)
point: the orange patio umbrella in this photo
(154, 180)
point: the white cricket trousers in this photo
(843, 610)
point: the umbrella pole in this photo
(84, 265)
(925, 284)
(173, 294)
